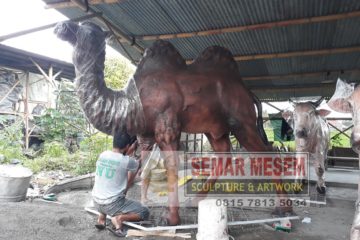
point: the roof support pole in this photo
(32, 30)
(67, 4)
(115, 29)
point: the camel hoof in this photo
(321, 190)
(169, 219)
(164, 221)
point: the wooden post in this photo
(26, 110)
(48, 86)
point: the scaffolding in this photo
(25, 103)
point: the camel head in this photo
(88, 41)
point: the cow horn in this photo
(292, 101)
(318, 102)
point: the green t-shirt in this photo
(111, 176)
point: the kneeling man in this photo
(115, 171)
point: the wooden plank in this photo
(68, 4)
(251, 27)
(172, 234)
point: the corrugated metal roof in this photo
(153, 17)
(19, 59)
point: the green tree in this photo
(117, 72)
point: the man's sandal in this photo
(100, 226)
(118, 232)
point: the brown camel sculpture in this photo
(166, 97)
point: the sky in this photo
(18, 15)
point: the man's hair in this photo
(121, 140)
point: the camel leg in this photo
(167, 136)
(146, 144)
(222, 145)
(249, 138)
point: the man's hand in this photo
(132, 148)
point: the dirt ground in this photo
(41, 220)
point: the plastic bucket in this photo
(14, 182)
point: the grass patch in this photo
(55, 156)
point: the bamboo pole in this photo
(293, 54)
(36, 29)
(49, 79)
(12, 113)
(26, 110)
(37, 102)
(298, 53)
(48, 86)
(10, 90)
(292, 89)
(67, 4)
(268, 25)
(301, 75)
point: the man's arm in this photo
(131, 177)
(132, 173)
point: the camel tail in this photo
(259, 120)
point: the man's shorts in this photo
(123, 205)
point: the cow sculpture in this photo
(166, 97)
(311, 135)
(346, 99)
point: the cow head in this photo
(305, 120)
(346, 99)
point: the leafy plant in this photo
(117, 73)
(66, 121)
(11, 138)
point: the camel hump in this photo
(216, 57)
(161, 55)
